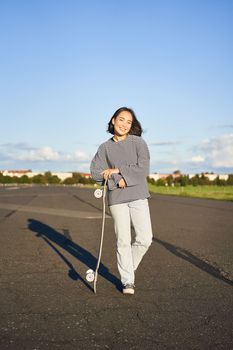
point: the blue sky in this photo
(66, 66)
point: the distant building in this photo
(17, 173)
(33, 173)
(61, 175)
(154, 176)
(211, 177)
(163, 176)
(223, 176)
(65, 175)
(86, 175)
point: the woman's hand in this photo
(108, 172)
(122, 183)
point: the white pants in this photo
(129, 255)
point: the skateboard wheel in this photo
(98, 193)
(90, 275)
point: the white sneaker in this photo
(128, 289)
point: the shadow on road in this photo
(194, 260)
(49, 235)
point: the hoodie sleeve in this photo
(134, 174)
(98, 165)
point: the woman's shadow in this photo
(50, 236)
(196, 261)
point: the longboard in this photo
(90, 274)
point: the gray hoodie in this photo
(132, 158)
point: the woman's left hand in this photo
(108, 172)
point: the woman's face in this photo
(122, 123)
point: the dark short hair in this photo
(135, 129)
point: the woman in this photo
(124, 161)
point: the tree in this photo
(230, 180)
(203, 180)
(151, 180)
(177, 172)
(169, 180)
(160, 182)
(69, 181)
(54, 179)
(182, 180)
(77, 177)
(47, 175)
(195, 180)
(220, 182)
(39, 179)
(24, 179)
(7, 179)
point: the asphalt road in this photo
(49, 237)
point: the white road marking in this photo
(53, 211)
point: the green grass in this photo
(211, 192)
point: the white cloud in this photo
(219, 151)
(165, 143)
(41, 154)
(21, 155)
(198, 159)
(78, 156)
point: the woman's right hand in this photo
(122, 183)
(108, 172)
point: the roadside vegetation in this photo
(46, 179)
(198, 186)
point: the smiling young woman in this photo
(122, 125)
(124, 161)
